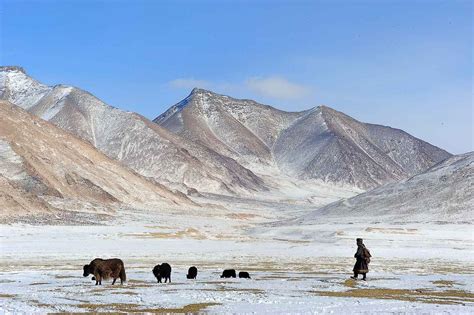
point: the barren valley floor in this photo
(303, 269)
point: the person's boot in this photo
(354, 276)
(363, 278)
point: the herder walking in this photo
(362, 257)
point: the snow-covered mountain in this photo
(320, 143)
(328, 144)
(242, 129)
(445, 192)
(145, 147)
(43, 169)
(218, 144)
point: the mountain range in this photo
(207, 143)
(444, 192)
(138, 143)
(44, 169)
(320, 143)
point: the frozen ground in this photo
(416, 267)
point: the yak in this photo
(104, 269)
(162, 271)
(244, 274)
(192, 273)
(228, 273)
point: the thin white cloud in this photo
(277, 88)
(189, 83)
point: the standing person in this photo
(362, 257)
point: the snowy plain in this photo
(416, 268)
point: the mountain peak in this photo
(201, 91)
(331, 113)
(323, 110)
(327, 109)
(12, 69)
(197, 90)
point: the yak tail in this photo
(123, 276)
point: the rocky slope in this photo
(44, 169)
(319, 143)
(145, 147)
(242, 129)
(445, 192)
(218, 144)
(328, 144)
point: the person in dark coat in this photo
(362, 257)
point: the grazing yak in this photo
(244, 274)
(192, 273)
(162, 271)
(104, 269)
(228, 273)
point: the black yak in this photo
(162, 271)
(244, 274)
(192, 273)
(228, 273)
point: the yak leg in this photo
(113, 282)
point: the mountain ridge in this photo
(224, 145)
(298, 142)
(443, 192)
(148, 149)
(60, 171)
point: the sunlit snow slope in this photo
(444, 192)
(43, 168)
(138, 143)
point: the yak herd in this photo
(103, 269)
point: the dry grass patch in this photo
(350, 283)
(7, 296)
(392, 230)
(445, 283)
(127, 308)
(187, 233)
(39, 283)
(64, 277)
(242, 216)
(157, 227)
(453, 270)
(291, 241)
(125, 292)
(6, 281)
(419, 295)
(134, 281)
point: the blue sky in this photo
(406, 64)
